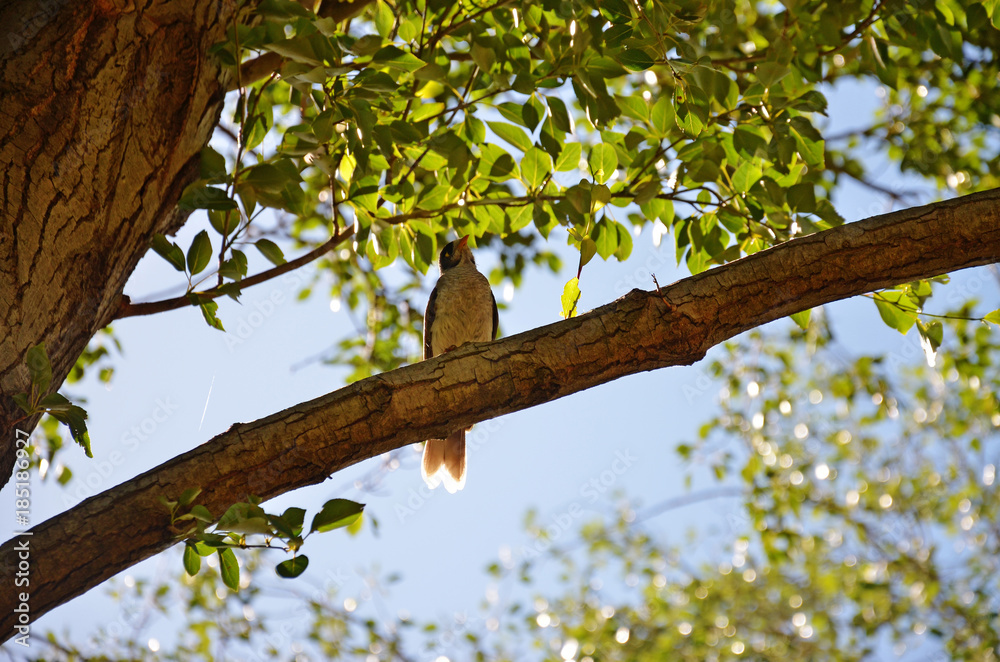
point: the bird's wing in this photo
(496, 315)
(428, 319)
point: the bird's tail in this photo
(444, 462)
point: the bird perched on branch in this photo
(461, 309)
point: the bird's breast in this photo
(463, 310)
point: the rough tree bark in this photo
(642, 331)
(104, 107)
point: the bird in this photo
(461, 309)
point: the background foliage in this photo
(865, 519)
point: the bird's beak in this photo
(463, 241)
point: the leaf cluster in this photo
(241, 521)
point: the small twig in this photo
(659, 293)
(864, 25)
(153, 307)
(874, 296)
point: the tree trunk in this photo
(642, 331)
(104, 107)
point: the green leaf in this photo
(746, 176)
(409, 29)
(518, 218)
(605, 236)
(199, 196)
(812, 101)
(396, 58)
(635, 59)
(297, 49)
(749, 141)
(496, 164)
(73, 416)
(535, 166)
(169, 251)
(292, 567)
(802, 318)
(808, 141)
(994, 11)
(266, 178)
(200, 253)
(21, 400)
(294, 517)
(235, 267)
(245, 518)
(188, 495)
(703, 170)
(661, 117)
(569, 157)
(616, 11)
(201, 513)
(624, 242)
(271, 251)
(769, 73)
(208, 310)
(192, 561)
(579, 196)
(282, 9)
(212, 165)
(896, 309)
(355, 527)
(588, 249)
(335, 514)
(993, 318)
(933, 332)
(384, 19)
(526, 115)
(39, 368)
(931, 335)
(600, 195)
(515, 135)
(474, 129)
(570, 297)
(633, 106)
(603, 162)
(229, 568)
(600, 68)
(802, 198)
(560, 116)
(483, 56)
(224, 222)
(697, 260)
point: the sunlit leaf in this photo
(603, 162)
(535, 166)
(271, 251)
(335, 514)
(570, 297)
(200, 253)
(293, 567)
(229, 568)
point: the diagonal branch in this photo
(129, 309)
(303, 445)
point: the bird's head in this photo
(455, 253)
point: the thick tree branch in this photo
(642, 331)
